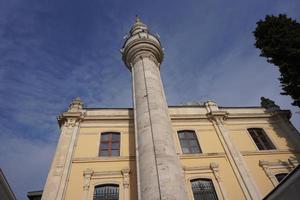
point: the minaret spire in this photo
(137, 19)
(160, 174)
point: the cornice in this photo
(269, 152)
(70, 118)
(103, 159)
(108, 117)
(202, 155)
(84, 115)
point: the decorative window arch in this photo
(189, 142)
(106, 192)
(109, 144)
(280, 176)
(261, 139)
(278, 169)
(203, 188)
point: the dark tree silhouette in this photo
(278, 38)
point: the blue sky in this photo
(52, 51)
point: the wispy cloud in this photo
(54, 51)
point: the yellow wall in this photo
(285, 149)
(196, 166)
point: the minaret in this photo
(160, 175)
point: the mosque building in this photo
(158, 152)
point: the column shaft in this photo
(160, 172)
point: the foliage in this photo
(278, 38)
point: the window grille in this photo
(261, 139)
(280, 176)
(106, 192)
(203, 189)
(189, 142)
(110, 144)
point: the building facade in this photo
(155, 151)
(6, 192)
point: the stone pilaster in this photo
(235, 158)
(60, 168)
(87, 175)
(126, 183)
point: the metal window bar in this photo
(280, 176)
(203, 189)
(261, 139)
(109, 144)
(189, 142)
(106, 192)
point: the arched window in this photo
(189, 142)
(261, 139)
(109, 144)
(106, 192)
(280, 176)
(203, 189)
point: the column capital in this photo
(217, 116)
(125, 173)
(87, 174)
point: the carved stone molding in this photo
(215, 168)
(93, 178)
(293, 162)
(204, 171)
(125, 173)
(272, 168)
(70, 119)
(218, 116)
(87, 178)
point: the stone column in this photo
(159, 168)
(60, 168)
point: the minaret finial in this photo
(137, 19)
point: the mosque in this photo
(153, 151)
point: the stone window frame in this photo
(205, 172)
(108, 184)
(277, 167)
(266, 133)
(212, 188)
(92, 178)
(276, 175)
(197, 138)
(99, 143)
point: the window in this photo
(203, 189)
(188, 142)
(110, 144)
(261, 139)
(106, 192)
(280, 176)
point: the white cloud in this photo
(25, 162)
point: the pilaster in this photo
(60, 168)
(126, 183)
(87, 175)
(217, 117)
